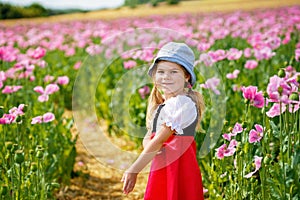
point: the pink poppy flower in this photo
(36, 53)
(226, 151)
(2, 78)
(70, 52)
(237, 129)
(264, 53)
(4, 120)
(18, 111)
(227, 136)
(62, 80)
(279, 89)
(11, 89)
(256, 98)
(273, 42)
(206, 59)
(297, 55)
(257, 134)
(41, 63)
(275, 110)
(257, 162)
(77, 65)
(203, 46)
(144, 91)
(9, 53)
(48, 78)
(249, 92)
(212, 84)
(273, 88)
(129, 64)
(236, 88)
(8, 118)
(233, 75)
(217, 55)
(234, 54)
(37, 120)
(251, 64)
(94, 49)
(247, 53)
(287, 38)
(50, 89)
(48, 117)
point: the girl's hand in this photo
(129, 180)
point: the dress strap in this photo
(156, 117)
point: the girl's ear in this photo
(187, 77)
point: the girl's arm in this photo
(147, 138)
(153, 146)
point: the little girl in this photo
(174, 110)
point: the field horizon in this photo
(196, 6)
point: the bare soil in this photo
(94, 181)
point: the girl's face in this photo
(170, 78)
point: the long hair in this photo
(156, 98)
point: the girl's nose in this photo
(166, 76)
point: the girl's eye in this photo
(173, 72)
(160, 72)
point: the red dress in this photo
(175, 174)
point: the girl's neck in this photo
(166, 97)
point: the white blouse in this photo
(178, 113)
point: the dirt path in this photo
(95, 181)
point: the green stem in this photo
(20, 181)
(12, 175)
(263, 171)
(281, 150)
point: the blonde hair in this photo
(156, 98)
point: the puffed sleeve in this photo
(178, 113)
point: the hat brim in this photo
(174, 60)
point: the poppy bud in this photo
(40, 153)
(280, 90)
(19, 119)
(1, 111)
(55, 185)
(244, 124)
(294, 96)
(8, 145)
(33, 167)
(19, 156)
(225, 123)
(267, 159)
(246, 101)
(25, 108)
(281, 73)
(14, 147)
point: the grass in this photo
(196, 6)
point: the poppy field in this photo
(247, 67)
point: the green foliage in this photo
(154, 3)
(173, 2)
(8, 11)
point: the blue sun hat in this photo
(179, 53)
